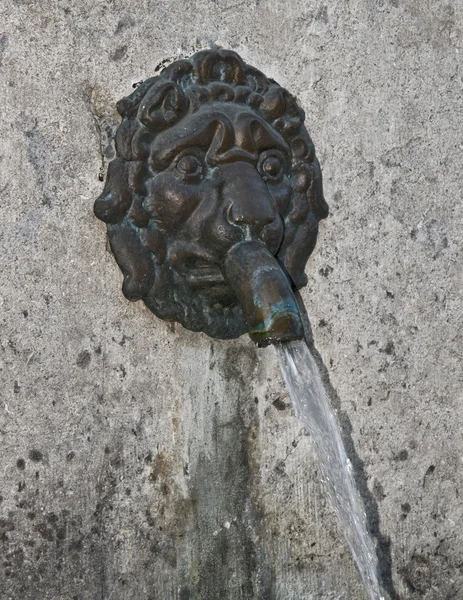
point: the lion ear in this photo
(162, 105)
(112, 205)
(301, 224)
(316, 199)
(133, 259)
(297, 247)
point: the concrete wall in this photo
(142, 461)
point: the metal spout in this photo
(264, 293)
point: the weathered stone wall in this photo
(142, 461)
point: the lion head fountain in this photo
(213, 202)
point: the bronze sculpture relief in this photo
(213, 202)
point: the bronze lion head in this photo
(209, 153)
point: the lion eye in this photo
(271, 166)
(189, 166)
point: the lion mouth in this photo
(206, 276)
(202, 273)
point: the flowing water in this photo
(312, 406)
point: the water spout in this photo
(264, 293)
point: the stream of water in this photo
(312, 406)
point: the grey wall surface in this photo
(142, 461)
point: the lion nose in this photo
(248, 202)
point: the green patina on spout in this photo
(264, 292)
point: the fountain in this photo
(212, 208)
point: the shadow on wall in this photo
(383, 542)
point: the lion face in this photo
(219, 177)
(194, 178)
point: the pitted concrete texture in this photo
(141, 461)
